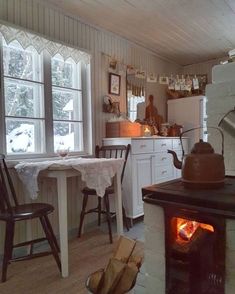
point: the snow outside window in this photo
(23, 99)
(67, 105)
(42, 103)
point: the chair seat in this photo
(88, 191)
(27, 211)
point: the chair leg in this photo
(99, 210)
(8, 248)
(125, 218)
(106, 201)
(82, 215)
(50, 241)
(52, 233)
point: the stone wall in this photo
(230, 257)
(155, 251)
(221, 99)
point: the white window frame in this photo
(49, 136)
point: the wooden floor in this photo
(41, 276)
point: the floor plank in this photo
(41, 276)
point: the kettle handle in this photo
(221, 133)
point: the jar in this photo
(164, 129)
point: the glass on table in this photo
(63, 152)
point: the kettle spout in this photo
(177, 163)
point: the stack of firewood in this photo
(121, 272)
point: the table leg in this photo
(63, 221)
(118, 202)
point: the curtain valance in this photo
(136, 86)
(27, 39)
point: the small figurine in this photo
(152, 117)
(151, 111)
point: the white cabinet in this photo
(142, 176)
(148, 164)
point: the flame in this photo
(186, 229)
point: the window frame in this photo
(48, 111)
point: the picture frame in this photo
(114, 84)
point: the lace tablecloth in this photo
(97, 173)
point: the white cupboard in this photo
(148, 164)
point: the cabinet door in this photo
(163, 167)
(143, 175)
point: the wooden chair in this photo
(113, 151)
(11, 212)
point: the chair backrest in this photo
(114, 151)
(7, 191)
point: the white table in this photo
(61, 173)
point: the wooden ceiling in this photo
(183, 31)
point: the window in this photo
(42, 112)
(67, 104)
(132, 102)
(23, 99)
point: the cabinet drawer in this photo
(162, 145)
(141, 146)
(164, 172)
(163, 158)
(177, 144)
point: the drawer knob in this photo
(164, 172)
(142, 146)
(164, 144)
(164, 158)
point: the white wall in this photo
(202, 68)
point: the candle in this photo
(147, 132)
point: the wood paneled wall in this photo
(202, 68)
(46, 20)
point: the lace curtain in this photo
(136, 86)
(27, 39)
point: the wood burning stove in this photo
(195, 235)
(194, 252)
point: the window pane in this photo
(24, 136)
(68, 136)
(23, 98)
(133, 101)
(20, 63)
(66, 104)
(65, 73)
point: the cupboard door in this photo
(143, 175)
(161, 145)
(142, 146)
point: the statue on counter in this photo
(152, 117)
(151, 111)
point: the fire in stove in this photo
(195, 255)
(187, 228)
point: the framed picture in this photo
(114, 84)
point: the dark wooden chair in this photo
(11, 212)
(113, 151)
